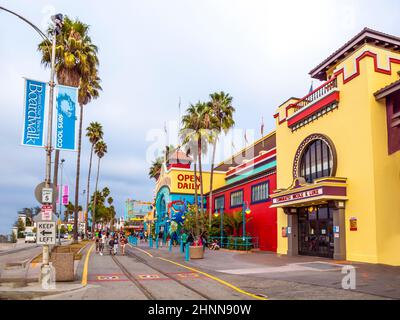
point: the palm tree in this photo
(69, 210)
(195, 132)
(105, 192)
(111, 211)
(100, 149)
(234, 221)
(155, 168)
(222, 113)
(76, 65)
(95, 133)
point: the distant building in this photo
(22, 216)
(135, 211)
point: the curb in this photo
(33, 295)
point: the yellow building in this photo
(175, 189)
(338, 165)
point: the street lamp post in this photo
(57, 20)
(61, 200)
(244, 212)
(221, 214)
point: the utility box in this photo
(63, 262)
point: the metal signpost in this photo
(46, 232)
(44, 193)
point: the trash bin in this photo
(63, 262)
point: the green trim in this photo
(247, 174)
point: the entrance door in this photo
(316, 232)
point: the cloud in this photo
(153, 52)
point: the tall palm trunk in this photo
(196, 196)
(210, 205)
(88, 188)
(201, 178)
(78, 171)
(95, 197)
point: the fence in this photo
(236, 243)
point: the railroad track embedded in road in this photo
(143, 288)
(132, 278)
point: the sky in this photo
(155, 53)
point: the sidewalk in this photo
(34, 289)
(378, 280)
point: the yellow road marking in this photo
(216, 279)
(148, 253)
(85, 267)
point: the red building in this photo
(250, 179)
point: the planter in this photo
(64, 265)
(196, 252)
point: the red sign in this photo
(353, 224)
(298, 196)
(46, 211)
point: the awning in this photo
(301, 193)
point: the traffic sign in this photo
(39, 192)
(46, 232)
(47, 195)
(46, 211)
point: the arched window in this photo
(316, 161)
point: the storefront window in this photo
(237, 198)
(219, 203)
(259, 192)
(317, 161)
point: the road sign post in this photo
(47, 195)
(46, 232)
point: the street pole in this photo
(57, 19)
(45, 262)
(244, 220)
(61, 191)
(221, 225)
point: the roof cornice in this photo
(365, 36)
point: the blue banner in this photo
(34, 111)
(66, 118)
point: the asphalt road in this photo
(158, 274)
(137, 276)
(20, 254)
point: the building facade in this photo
(175, 190)
(337, 157)
(135, 212)
(250, 178)
(325, 182)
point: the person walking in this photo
(111, 246)
(115, 244)
(123, 242)
(103, 242)
(203, 238)
(190, 238)
(184, 238)
(97, 240)
(160, 238)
